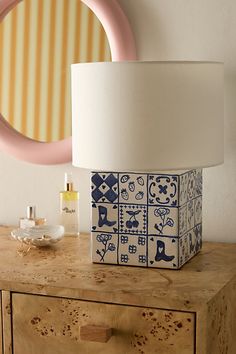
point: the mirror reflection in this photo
(39, 39)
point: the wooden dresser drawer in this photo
(51, 325)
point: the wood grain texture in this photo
(66, 270)
(201, 331)
(51, 325)
(1, 343)
(6, 322)
(100, 334)
(204, 290)
(221, 321)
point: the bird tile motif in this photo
(146, 219)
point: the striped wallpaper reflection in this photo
(39, 39)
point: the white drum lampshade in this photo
(135, 124)
(147, 116)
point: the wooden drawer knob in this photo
(95, 333)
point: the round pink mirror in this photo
(122, 47)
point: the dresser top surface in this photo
(66, 270)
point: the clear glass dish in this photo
(39, 236)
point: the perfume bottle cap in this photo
(68, 182)
(31, 212)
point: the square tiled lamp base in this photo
(146, 219)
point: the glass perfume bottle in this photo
(31, 220)
(69, 207)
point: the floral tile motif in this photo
(133, 188)
(191, 184)
(198, 183)
(198, 210)
(146, 219)
(162, 221)
(105, 217)
(104, 187)
(190, 214)
(133, 250)
(162, 252)
(198, 237)
(183, 220)
(190, 244)
(133, 219)
(183, 184)
(104, 248)
(184, 251)
(163, 190)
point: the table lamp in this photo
(146, 130)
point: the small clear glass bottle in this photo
(31, 220)
(69, 207)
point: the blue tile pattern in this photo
(105, 187)
(163, 190)
(133, 219)
(133, 188)
(105, 217)
(183, 220)
(133, 252)
(146, 219)
(162, 221)
(106, 247)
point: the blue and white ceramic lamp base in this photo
(146, 219)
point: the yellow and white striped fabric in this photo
(39, 39)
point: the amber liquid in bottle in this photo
(69, 208)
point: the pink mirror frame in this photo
(122, 46)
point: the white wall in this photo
(164, 30)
